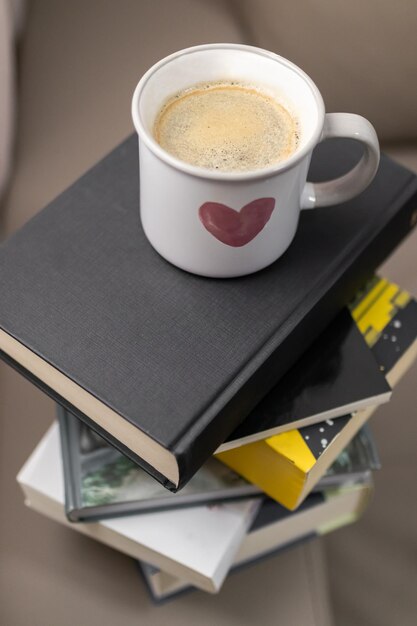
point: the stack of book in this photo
(204, 424)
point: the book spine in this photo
(201, 440)
(71, 504)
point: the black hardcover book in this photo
(101, 483)
(337, 375)
(164, 364)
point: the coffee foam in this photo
(227, 126)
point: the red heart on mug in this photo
(236, 228)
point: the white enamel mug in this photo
(223, 224)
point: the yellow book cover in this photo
(288, 465)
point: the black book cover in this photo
(337, 375)
(162, 363)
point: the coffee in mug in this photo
(226, 134)
(226, 126)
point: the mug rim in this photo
(206, 173)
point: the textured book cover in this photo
(162, 363)
(287, 466)
(101, 483)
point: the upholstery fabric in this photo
(362, 55)
(7, 87)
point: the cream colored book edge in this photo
(132, 437)
(373, 401)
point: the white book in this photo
(197, 544)
(275, 528)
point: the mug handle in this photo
(351, 184)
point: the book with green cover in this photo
(287, 466)
(197, 544)
(102, 483)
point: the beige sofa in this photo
(78, 63)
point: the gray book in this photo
(102, 483)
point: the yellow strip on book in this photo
(377, 307)
(282, 465)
